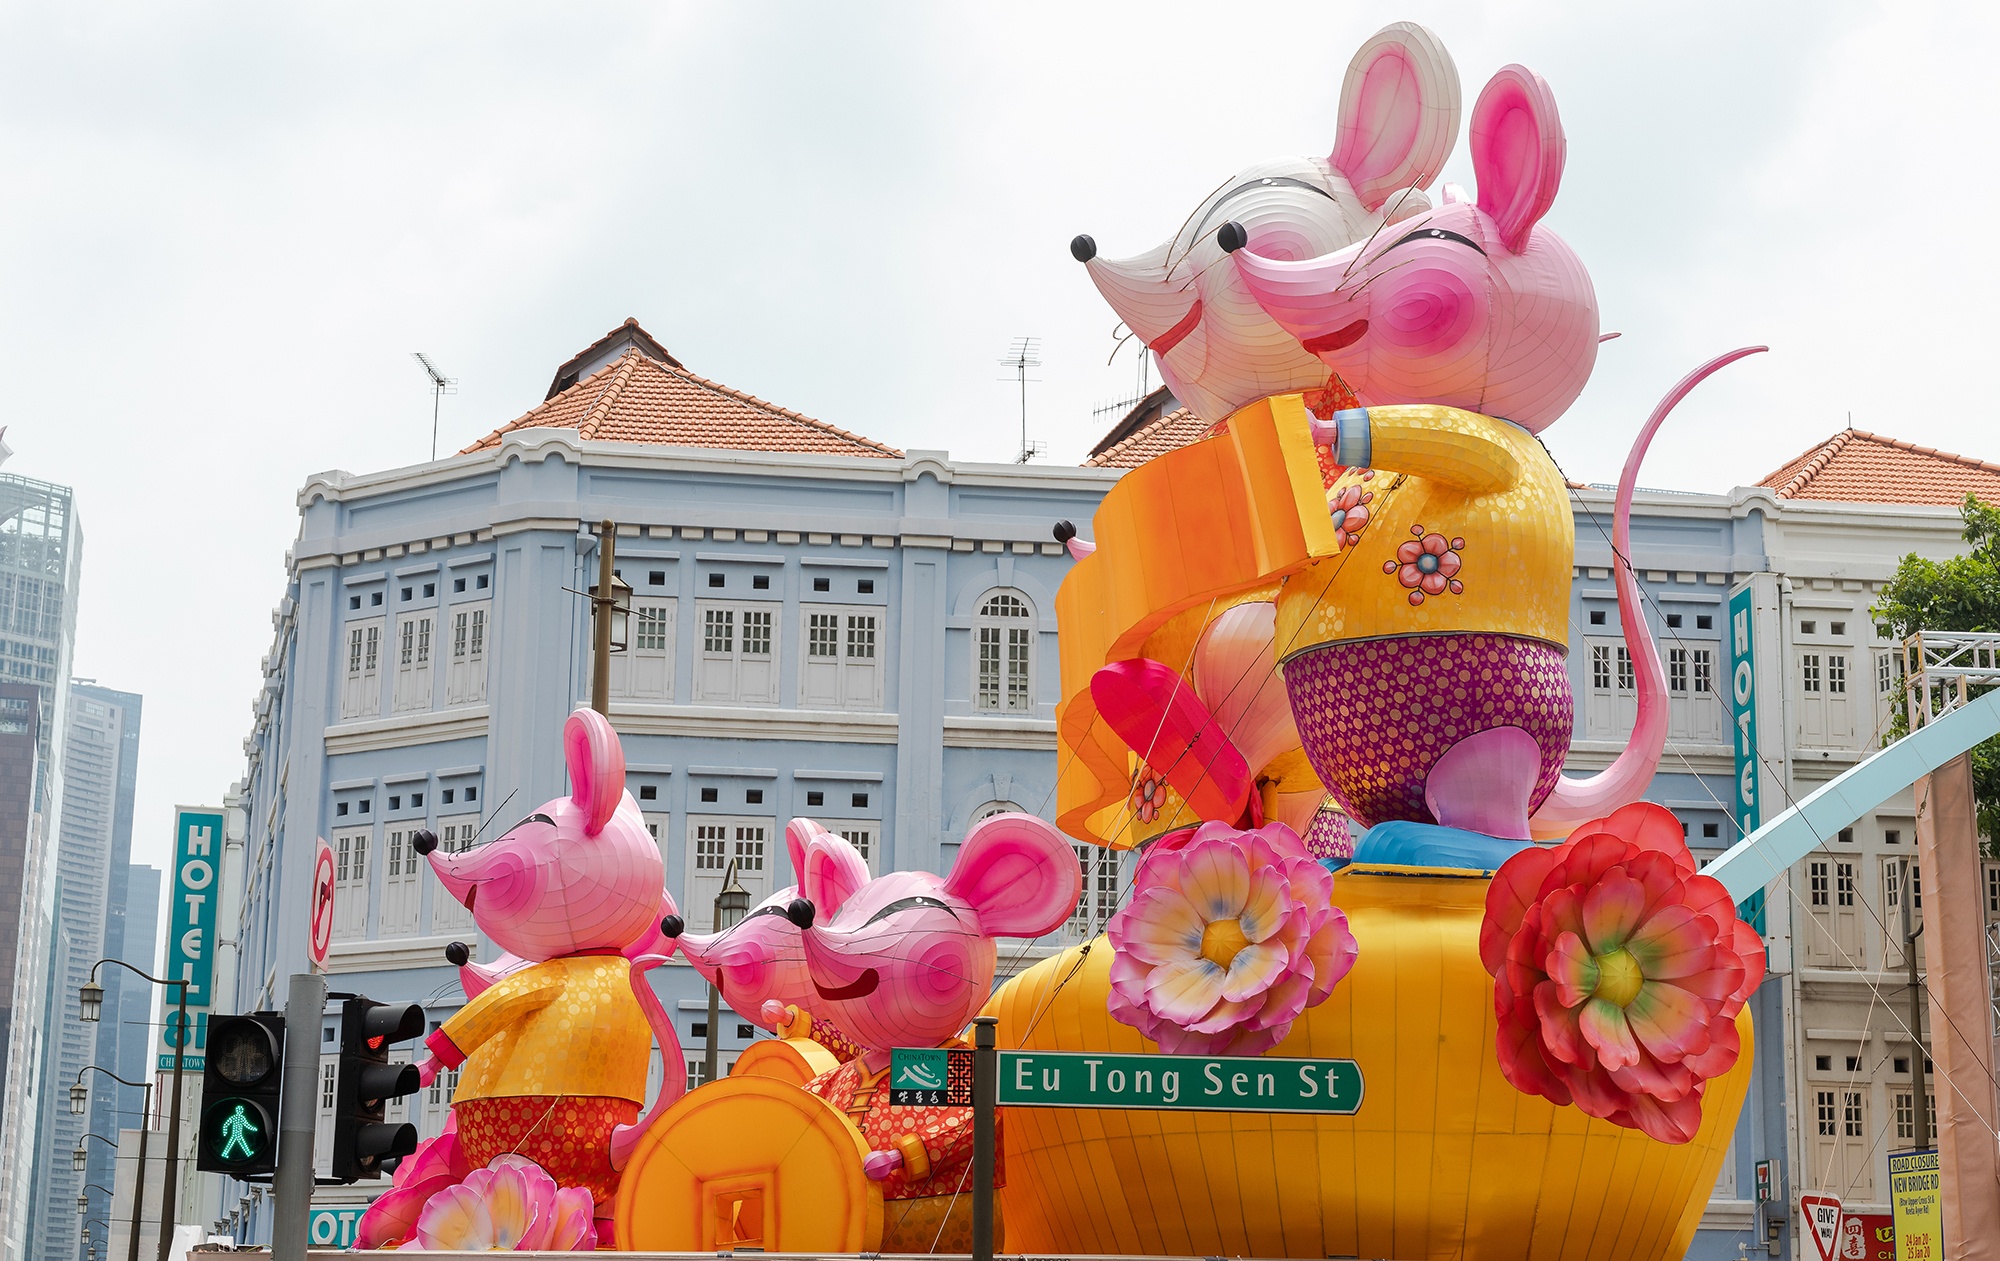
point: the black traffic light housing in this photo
(363, 1143)
(240, 1093)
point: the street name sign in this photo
(1081, 1079)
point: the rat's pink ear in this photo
(1517, 152)
(834, 871)
(596, 767)
(798, 833)
(1398, 113)
(1019, 873)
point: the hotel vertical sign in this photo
(191, 920)
(1746, 806)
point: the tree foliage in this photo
(1961, 593)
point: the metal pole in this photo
(437, 397)
(985, 1092)
(711, 1059)
(170, 1194)
(139, 1177)
(292, 1186)
(600, 609)
(1910, 934)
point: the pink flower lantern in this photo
(511, 1205)
(1618, 972)
(1228, 937)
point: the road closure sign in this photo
(1913, 1199)
(1080, 1079)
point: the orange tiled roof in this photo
(640, 399)
(1856, 466)
(1169, 433)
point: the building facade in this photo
(821, 625)
(100, 773)
(40, 555)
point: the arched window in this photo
(992, 808)
(1004, 647)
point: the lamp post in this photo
(90, 999)
(610, 608)
(730, 907)
(83, 1201)
(80, 1158)
(79, 1096)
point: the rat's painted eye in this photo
(910, 904)
(1434, 234)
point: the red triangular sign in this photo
(1822, 1213)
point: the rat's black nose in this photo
(457, 954)
(1082, 248)
(800, 912)
(424, 841)
(1065, 531)
(672, 926)
(1232, 237)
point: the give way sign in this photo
(1822, 1214)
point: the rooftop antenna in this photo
(1021, 356)
(441, 385)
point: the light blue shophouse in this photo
(821, 625)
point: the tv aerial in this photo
(441, 385)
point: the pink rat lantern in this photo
(903, 960)
(553, 1043)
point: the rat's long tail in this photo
(1575, 801)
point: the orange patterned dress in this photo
(928, 1202)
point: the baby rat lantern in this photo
(552, 1045)
(903, 960)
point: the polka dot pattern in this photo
(1375, 715)
(569, 1136)
(946, 1132)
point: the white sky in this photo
(223, 229)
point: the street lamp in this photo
(731, 905)
(83, 1200)
(79, 1098)
(76, 1094)
(91, 999)
(81, 1156)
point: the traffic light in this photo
(239, 1094)
(362, 1141)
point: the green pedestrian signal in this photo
(238, 1131)
(240, 1088)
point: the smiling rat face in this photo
(580, 873)
(1216, 348)
(760, 960)
(909, 958)
(1472, 304)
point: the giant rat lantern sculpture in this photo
(1387, 548)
